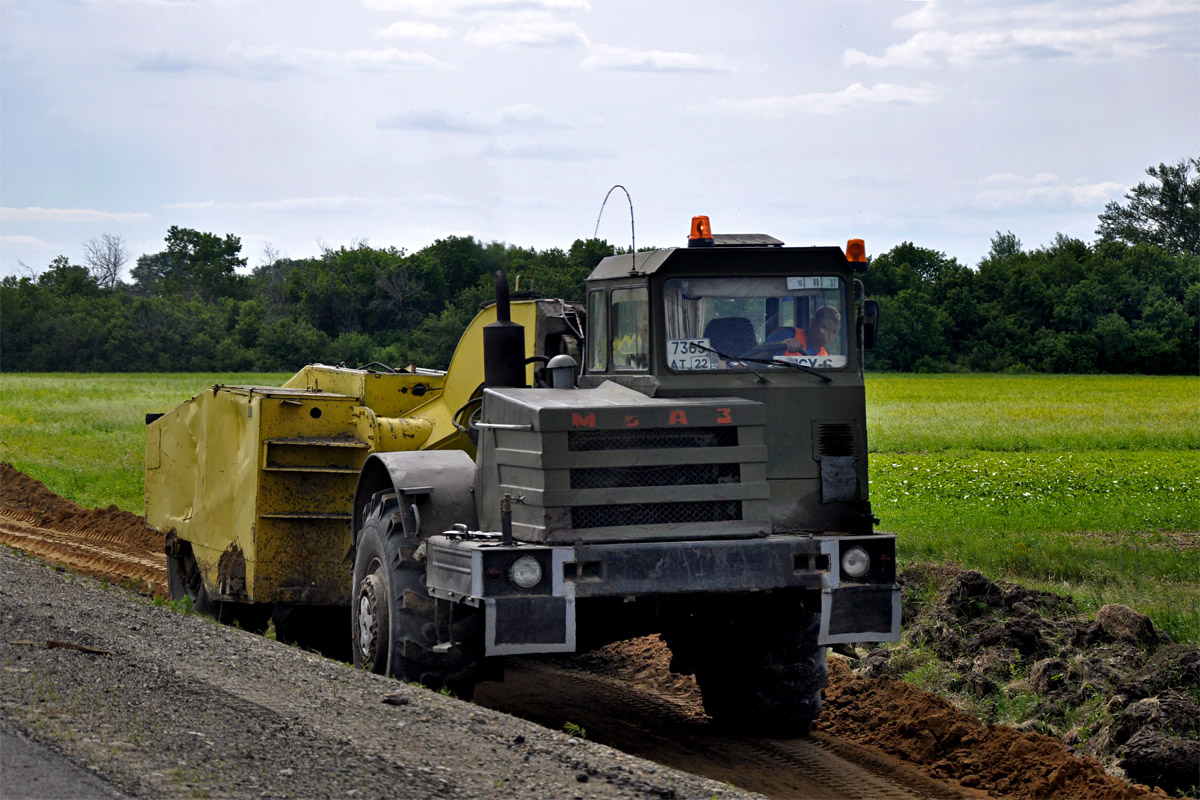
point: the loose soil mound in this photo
(105, 543)
(916, 726)
(1114, 687)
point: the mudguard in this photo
(435, 489)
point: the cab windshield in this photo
(760, 322)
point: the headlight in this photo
(525, 572)
(855, 562)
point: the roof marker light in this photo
(856, 251)
(701, 233)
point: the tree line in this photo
(1128, 302)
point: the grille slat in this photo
(651, 439)
(835, 440)
(669, 475)
(655, 513)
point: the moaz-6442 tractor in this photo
(683, 453)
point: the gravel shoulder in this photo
(175, 705)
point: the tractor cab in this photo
(726, 304)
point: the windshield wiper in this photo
(728, 357)
(772, 363)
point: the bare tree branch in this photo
(105, 257)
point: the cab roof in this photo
(706, 258)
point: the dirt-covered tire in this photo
(767, 679)
(185, 580)
(321, 628)
(395, 623)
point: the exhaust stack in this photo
(503, 344)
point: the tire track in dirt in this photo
(674, 731)
(105, 557)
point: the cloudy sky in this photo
(300, 123)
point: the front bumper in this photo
(473, 569)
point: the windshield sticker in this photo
(810, 282)
(815, 362)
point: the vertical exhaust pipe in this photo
(503, 343)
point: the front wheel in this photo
(761, 674)
(396, 627)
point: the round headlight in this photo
(855, 562)
(525, 572)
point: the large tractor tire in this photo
(185, 580)
(761, 676)
(395, 623)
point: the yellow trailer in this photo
(253, 486)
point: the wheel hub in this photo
(368, 618)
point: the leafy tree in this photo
(64, 278)
(1166, 214)
(194, 264)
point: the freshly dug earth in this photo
(108, 543)
(892, 716)
(1114, 687)
(916, 726)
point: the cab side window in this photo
(630, 329)
(597, 340)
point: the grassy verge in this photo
(84, 436)
(1087, 486)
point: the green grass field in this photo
(84, 436)
(1086, 485)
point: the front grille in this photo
(671, 475)
(655, 513)
(836, 439)
(651, 439)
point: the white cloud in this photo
(273, 60)
(413, 30)
(38, 214)
(434, 121)
(856, 95)
(331, 203)
(547, 152)
(17, 242)
(1008, 190)
(961, 33)
(520, 116)
(607, 57)
(528, 33)
(277, 61)
(526, 115)
(438, 8)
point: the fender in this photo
(436, 489)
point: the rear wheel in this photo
(396, 627)
(761, 673)
(184, 579)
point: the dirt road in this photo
(624, 696)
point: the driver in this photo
(822, 330)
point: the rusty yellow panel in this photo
(387, 394)
(205, 484)
(301, 562)
(270, 472)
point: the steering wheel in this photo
(765, 350)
